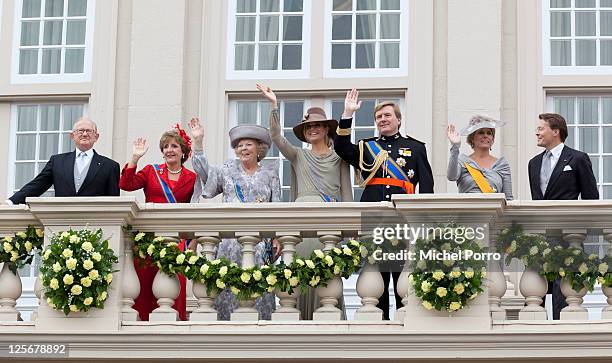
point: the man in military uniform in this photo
(389, 164)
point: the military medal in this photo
(401, 162)
(410, 173)
(405, 151)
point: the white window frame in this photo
(551, 107)
(61, 77)
(548, 69)
(232, 74)
(328, 72)
(13, 132)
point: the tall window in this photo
(589, 121)
(577, 34)
(267, 36)
(52, 39)
(41, 130)
(365, 35)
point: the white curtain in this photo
(366, 26)
(75, 32)
(268, 57)
(561, 52)
(364, 55)
(390, 26)
(389, 55)
(74, 60)
(268, 28)
(77, 7)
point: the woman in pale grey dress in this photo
(462, 168)
(244, 180)
(318, 174)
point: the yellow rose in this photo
(76, 290)
(310, 264)
(102, 296)
(459, 288)
(271, 280)
(68, 279)
(86, 281)
(54, 284)
(245, 277)
(57, 267)
(294, 281)
(438, 275)
(88, 301)
(87, 247)
(602, 268)
(483, 274)
(425, 286)
(71, 264)
(315, 281)
(583, 268)
(109, 278)
(162, 253)
(204, 269)
(139, 236)
(93, 274)
(7, 247)
(150, 249)
(257, 275)
(74, 239)
(336, 270)
(220, 284)
(337, 251)
(329, 260)
(180, 258)
(427, 305)
(65, 234)
(270, 289)
(319, 253)
(441, 291)
(39, 232)
(88, 264)
(21, 235)
(454, 306)
(455, 274)
(235, 290)
(347, 251)
(287, 273)
(158, 239)
(299, 261)
(50, 303)
(28, 246)
(193, 259)
(14, 256)
(96, 256)
(354, 243)
(73, 308)
(215, 262)
(469, 274)
(46, 255)
(411, 280)
(67, 253)
(223, 271)
(533, 250)
(8, 239)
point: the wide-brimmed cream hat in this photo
(315, 114)
(249, 132)
(478, 122)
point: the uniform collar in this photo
(392, 137)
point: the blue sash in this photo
(165, 188)
(391, 166)
(327, 198)
(238, 191)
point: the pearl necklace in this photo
(173, 171)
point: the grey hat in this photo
(249, 132)
(478, 122)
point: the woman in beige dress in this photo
(318, 174)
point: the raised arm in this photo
(454, 168)
(130, 180)
(286, 148)
(343, 145)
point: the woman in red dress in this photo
(169, 182)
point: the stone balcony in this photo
(482, 332)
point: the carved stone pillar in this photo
(130, 285)
(247, 310)
(574, 299)
(607, 311)
(166, 289)
(330, 294)
(288, 302)
(205, 310)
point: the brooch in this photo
(410, 173)
(260, 199)
(401, 162)
(405, 151)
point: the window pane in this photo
(389, 4)
(361, 134)
(26, 147)
(74, 60)
(28, 61)
(53, 33)
(75, 32)
(49, 118)
(30, 9)
(343, 5)
(268, 57)
(245, 29)
(341, 56)
(607, 110)
(67, 143)
(77, 7)
(606, 23)
(365, 115)
(585, 3)
(293, 112)
(246, 6)
(595, 167)
(268, 6)
(589, 139)
(24, 172)
(264, 114)
(605, 3)
(607, 139)
(293, 5)
(26, 118)
(389, 55)
(292, 28)
(366, 4)
(389, 26)
(570, 141)
(54, 8)
(48, 145)
(607, 192)
(292, 57)
(607, 169)
(342, 27)
(560, 3)
(364, 55)
(286, 173)
(560, 24)
(71, 114)
(585, 23)
(51, 61)
(366, 26)
(268, 28)
(564, 106)
(246, 112)
(561, 52)
(245, 57)
(588, 110)
(29, 32)
(606, 52)
(586, 53)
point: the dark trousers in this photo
(383, 302)
(558, 300)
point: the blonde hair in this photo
(470, 138)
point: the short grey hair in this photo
(83, 118)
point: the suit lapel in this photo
(94, 167)
(564, 159)
(535, 177)
(69, 171)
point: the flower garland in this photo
(77, 270)
(19, 250)
(447, 284)
(252, 282)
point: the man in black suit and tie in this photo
(559, 173)
(79, 173)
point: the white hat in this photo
(478, 122)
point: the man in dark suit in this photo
(559, 173)
(389, 164)
(79, 173)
